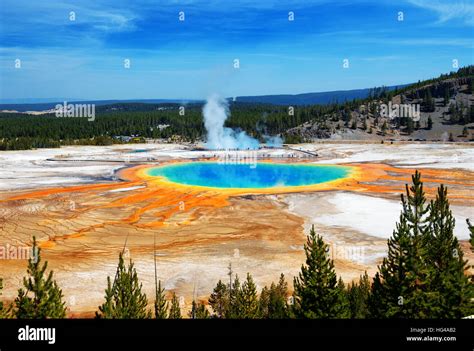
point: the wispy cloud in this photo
(172, 58)
(448, 10)
(48, 23)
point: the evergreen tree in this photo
(219, 300)
(124, 298)
(448, 281)
(316, 290)
(453, 113)
(343, 299)
(446, 97)
(235, 291)
(277, 304)
(428, 101)
(198, 311)
(175, 310)
(273, 300)
(430, 123)
(377, 297)
(384, 128)
(161, 305)
(41, 297)
(409, 128)
(247, 300)
(400, 287)
(471, 230)
(471, 240)
(5, 311)
(358, 296)
(264, 300)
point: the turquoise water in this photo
(264, 175)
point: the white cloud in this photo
(448, 10)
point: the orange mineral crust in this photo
(195, 231)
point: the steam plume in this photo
(215, 112)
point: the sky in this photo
(79, 49)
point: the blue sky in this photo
(84, 59)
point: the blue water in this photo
(264, 175)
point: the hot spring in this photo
(241, 176)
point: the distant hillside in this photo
(445, 112)
(321, 98)
(43, 106)
(445, 108)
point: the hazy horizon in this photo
(184, 99)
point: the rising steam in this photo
(215, 112)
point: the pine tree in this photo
(264, 301)
(198, 311)
(277, 302)
(409, 128)
(316, 290)
(448, 281)
(234, 310)
(5, 311)
(247, 300)
(124, 298)
(446, 96)
(429, 126)
(358, 296)
(471, 240)
(161, 305)
(41, 296)
(401, 287)
(108, 309)
(471, 230)
(273, 301)
(384, 128)
(377, 297)
(428, 101)
(343, 299)
(175, 310)
(219, 300)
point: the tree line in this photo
(258, 120)
(165, 120)
(424, 275)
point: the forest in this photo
(170, 121)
